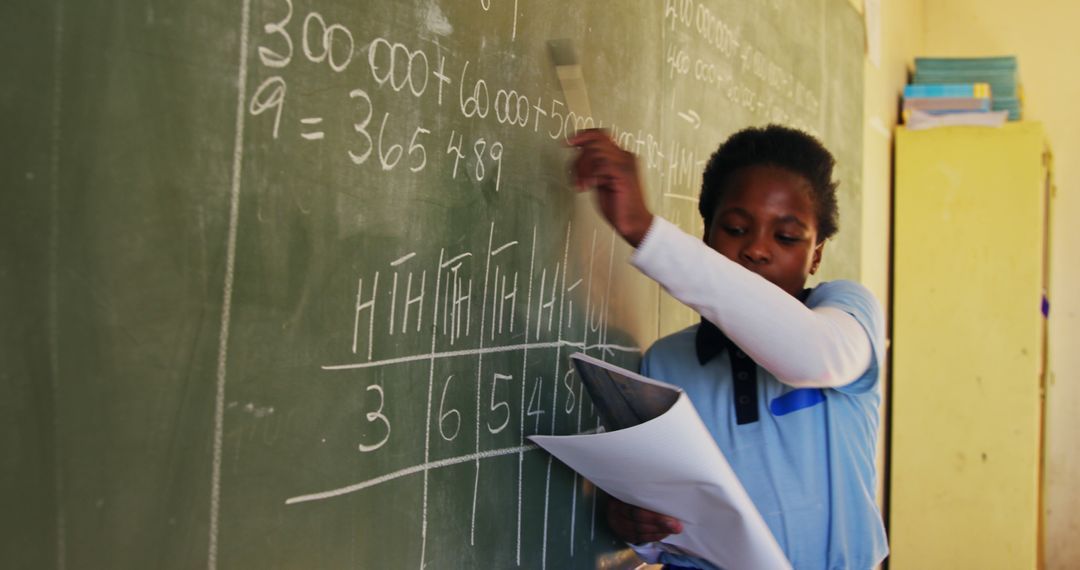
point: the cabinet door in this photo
(967, 347)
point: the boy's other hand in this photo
(637, 525)
(613, 172)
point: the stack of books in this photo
(999, 72)
(982, 90)
(943, 98)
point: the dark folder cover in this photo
(622, 398)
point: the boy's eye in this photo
(788, 239)
(733, 230)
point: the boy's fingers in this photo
(588, 136)
(636, 535)
(582, 166)
(591, 167)
(650, 521)
(643, 529)
(636, 525)
(653, 522)
(651, 537)
(583, 172)
(599, 157)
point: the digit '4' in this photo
(455, 149)
(481, 151)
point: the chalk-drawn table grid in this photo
(548, 308)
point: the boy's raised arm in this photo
(825, 347)
(612, 171)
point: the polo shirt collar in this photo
(709, 342)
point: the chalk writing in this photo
(493, 316)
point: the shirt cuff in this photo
(648, 552)
(652, 245)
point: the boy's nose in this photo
(755, 251)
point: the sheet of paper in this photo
(672, 465)
(919, 120)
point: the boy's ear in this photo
(817, 258)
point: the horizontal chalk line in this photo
(476, 351)
(680, 197)
(409, 471)
(418, 469)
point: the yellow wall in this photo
(901, 37)
(901, 40)
(1044, 35)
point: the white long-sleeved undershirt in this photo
(823, 347)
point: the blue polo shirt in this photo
(808, 462)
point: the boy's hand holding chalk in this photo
(613, 172)
(601, 163)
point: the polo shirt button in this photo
(740, 375)
(744, 400)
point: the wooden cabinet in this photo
(968, 347)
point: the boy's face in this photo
(766, 223)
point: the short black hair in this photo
(779, 146)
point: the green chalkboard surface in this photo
(287, 283)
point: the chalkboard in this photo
(286, 283)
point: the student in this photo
(785, 378)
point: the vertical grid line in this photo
(226, 309)
(524, 375)
(54, 294)
(555, 391)
(427, 422)
(479, 381)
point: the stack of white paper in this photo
(671, 465)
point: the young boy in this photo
(785, 378)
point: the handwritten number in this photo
(452, 413)
(269, 95)
(501, 405)
(417, 147)
(478, 149)
(496, 153)
(535, 397)
(306, 43)
(388, 160)
(325, 34)
(479, 103)
(377, 415)
(271, 58)
(414, 62)
(451, 148)
(571, 398)
(559, 121)
(328, 40)
(361, 127)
